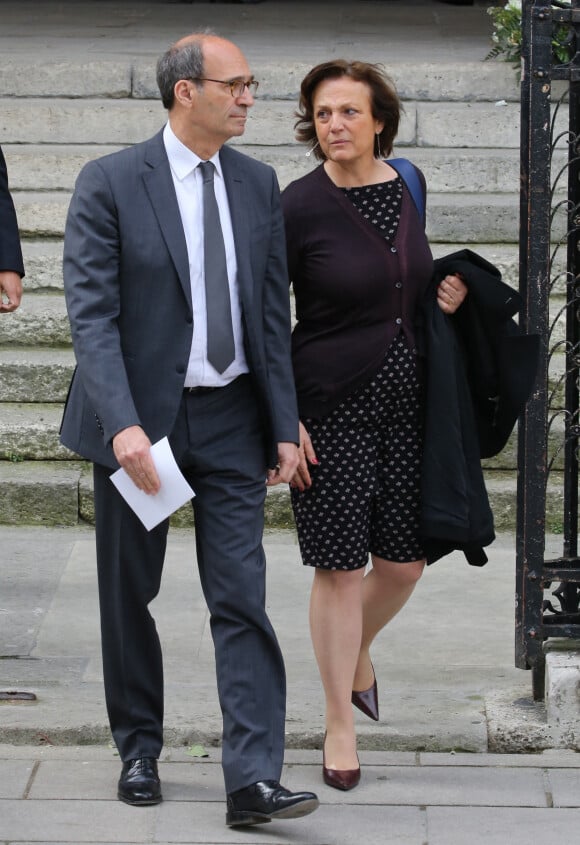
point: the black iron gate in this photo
(548, 580)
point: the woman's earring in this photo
(311, 150)
(379, 152)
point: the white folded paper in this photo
(174, 492)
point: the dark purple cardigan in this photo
(354, 291)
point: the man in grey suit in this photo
(11, 266)
(140, 264)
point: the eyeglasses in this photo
(237, 86)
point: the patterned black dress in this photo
(365, 493)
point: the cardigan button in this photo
(398, 321)
(393, 249)
(398, 284)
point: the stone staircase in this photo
(461, 126)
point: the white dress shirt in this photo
(188, 184)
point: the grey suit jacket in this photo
(127, 287)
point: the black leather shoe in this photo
(139, 783)
(266, 800)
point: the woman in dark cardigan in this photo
(360, 264)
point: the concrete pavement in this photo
(54, 796)
(445, 664)
(447, 688)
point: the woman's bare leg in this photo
(386, 589)
(336, 630)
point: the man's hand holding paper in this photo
(172, 491)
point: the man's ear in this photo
(184, 92)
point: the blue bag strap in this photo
(408, 173)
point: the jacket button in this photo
(393, 249)
(398, 284)
(398, 321)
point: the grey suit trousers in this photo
(218, 441)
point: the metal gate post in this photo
(539, 449)
(534, 286)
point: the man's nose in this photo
(247, 97)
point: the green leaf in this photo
(196, 751)
(507, 36)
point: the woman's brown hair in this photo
(385, 103)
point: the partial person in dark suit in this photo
(11, 264)
(135, 283)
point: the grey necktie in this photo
(220, 333)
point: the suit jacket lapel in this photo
(159, 186)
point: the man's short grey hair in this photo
(180, 62)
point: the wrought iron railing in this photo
(548, 574)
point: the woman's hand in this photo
(451, 292)
(307, 455)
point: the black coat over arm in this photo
(480, 371)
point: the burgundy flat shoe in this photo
(343, 779)
(367, 700)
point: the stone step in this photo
(43, 376)
(35, 375)
(29, 432)
(41, 215)
(40, 493)
(460, 218)
(507, 460)
(36, 359)
(53, 167)
(35, 345)
(101, 121)
(472, 170)
(271, 122)
(278, 510)
(29, 424)
(50, 167)
(502, 492)
(41, 320)
(60, 493)
(135, 77)
(64, 78)
(422, 81)
(29, 429)
(43, 263)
